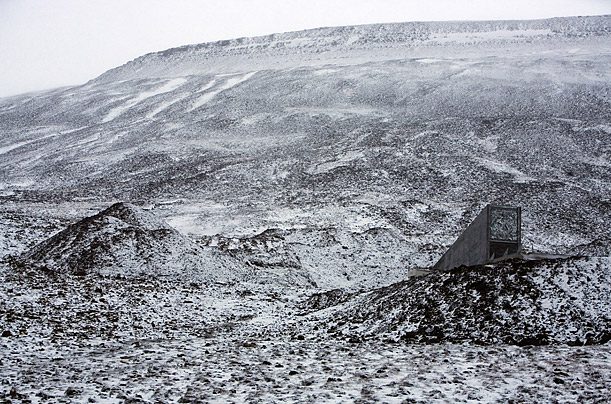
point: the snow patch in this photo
(342, 160)
(232, 82)
(489, 144)
(499, 167)
(322, 72)
(171, 85)
(209, 85)
(428, 61)
(6, 149)
(164, 106)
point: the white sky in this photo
(51, 43)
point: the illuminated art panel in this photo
(504, 224)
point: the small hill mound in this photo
(125, 241)
(515, 302)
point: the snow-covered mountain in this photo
(356, 152)
(406, 128)
(278, 192)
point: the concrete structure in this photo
(495, 234)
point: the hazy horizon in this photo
(46, 45)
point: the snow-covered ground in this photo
(90, 339)
(230, 369)
(346, 157)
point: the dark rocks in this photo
(13, 393)
(319, 301)
(517, 302)
(558, 380)
(72, 392)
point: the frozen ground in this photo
(85, 339)
(338, 157)
(377, 143)
(230, 369)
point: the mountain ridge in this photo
(425, 33)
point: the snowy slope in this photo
(86, 339)
(514, 302)
(124, 241)
(394, 133)
(260, 171)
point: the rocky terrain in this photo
(127, 242)
(241, 221)
(87, 338)
(411, 128)
(521, 302)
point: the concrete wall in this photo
(474, 246)
(471, 248)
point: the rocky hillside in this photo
(332, 257)
(124, 241)
(258, 171)
(520, 302)
(398, 134)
